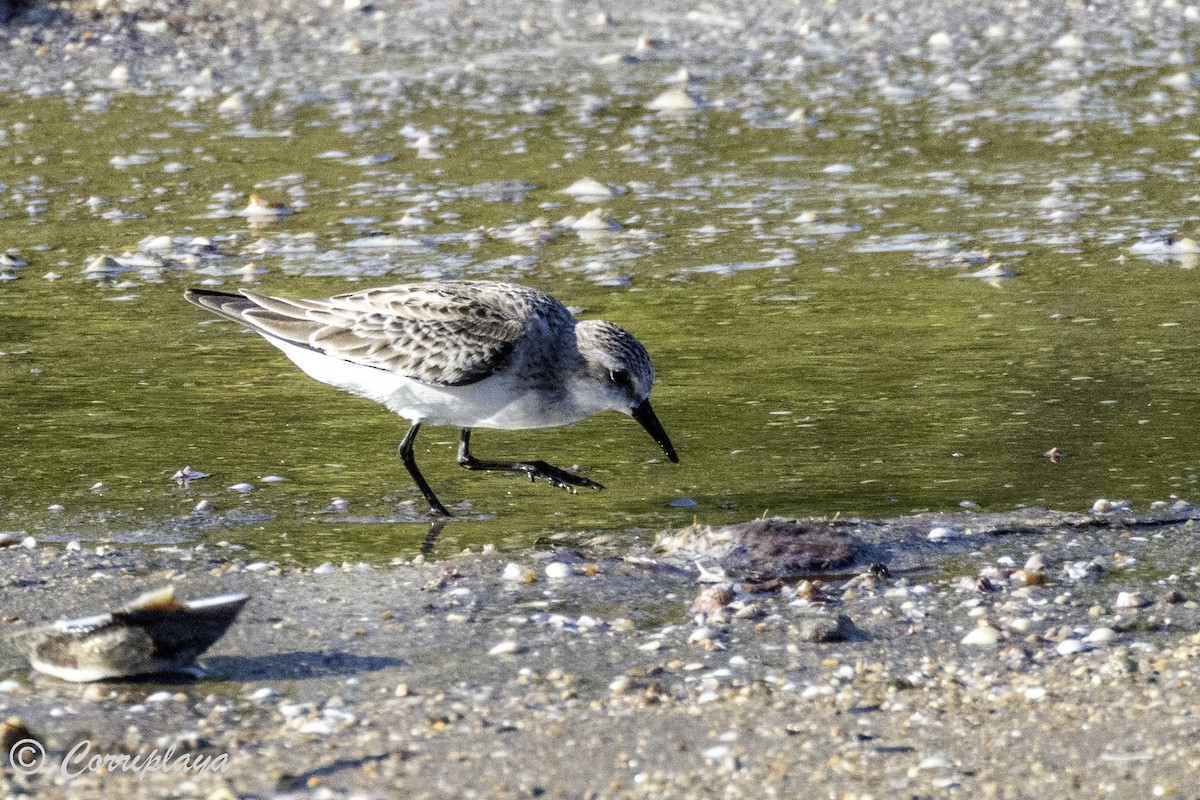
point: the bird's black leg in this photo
(534, 469)
(410, 463)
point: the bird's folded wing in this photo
(432, 336)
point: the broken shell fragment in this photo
(188, 474)
(155, 633)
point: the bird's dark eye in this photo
(621, 378)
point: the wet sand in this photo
(471, 677)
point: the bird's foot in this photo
(557, 477)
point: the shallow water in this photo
(801, 286)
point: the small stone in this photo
(711, 600)
(1121, 662)
(823, 628)
(556, 570)
(1024, 577)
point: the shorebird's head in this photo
(619, 376)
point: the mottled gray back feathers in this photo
(443, 334)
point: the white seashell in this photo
(1069, 41)
(157, 243)
(982, 636)
(940, 41)
(1132, 600)
(1101, 636)
(677, 99)
(595, 221)
(1069, 647)
(590, 189)
(103, 265)
(993, 271)
(119, 75)
(189, 474)
(942, 534)
(558, 570)
(505, 648)
(234, 104)
(241, 487)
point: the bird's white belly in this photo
(495, 402)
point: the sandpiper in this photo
(472, 354)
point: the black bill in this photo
(644, 414)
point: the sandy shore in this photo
(628, 676)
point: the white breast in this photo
(494, 402)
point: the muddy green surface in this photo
(800, 287)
